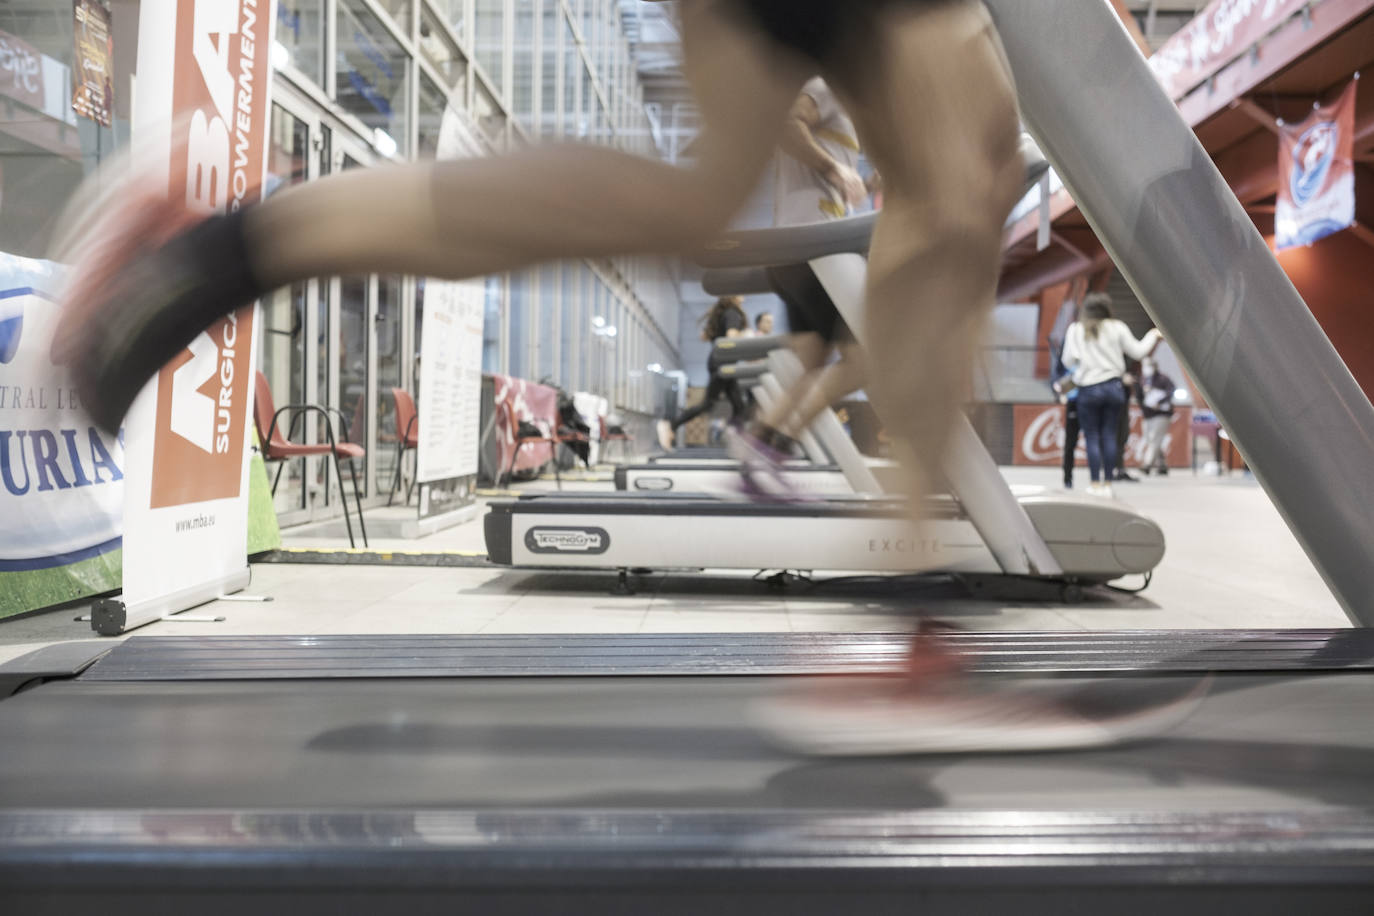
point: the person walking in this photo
(1156, 395)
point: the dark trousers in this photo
(1070, 438)
(716, 389)
(1123, 435)
(1099, 411)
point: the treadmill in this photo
(604, 774)
(700, 470)
(978, 527)
(618, 775)
(766, 367)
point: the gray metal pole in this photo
(1206, 277)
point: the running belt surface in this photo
(656, 793)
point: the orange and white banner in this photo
(201, 109)
(1317, 174)
(1039, 437)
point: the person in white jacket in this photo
(1096, 347)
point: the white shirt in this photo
(801, 194)
(1102, 358)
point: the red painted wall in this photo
(1336, 278)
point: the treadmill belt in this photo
(247, 657)
(1290, 743)
(657, 794)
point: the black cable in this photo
(1149, 575)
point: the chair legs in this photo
(396, 478)
(343, 497)
(413, 477)
(357, 498)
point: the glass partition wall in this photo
(359, 83)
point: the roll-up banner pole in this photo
(450, 380)
(203, 88)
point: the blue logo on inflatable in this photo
(11, 324)
(1312, 157)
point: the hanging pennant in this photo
(1317, 174)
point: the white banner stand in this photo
(204, 80)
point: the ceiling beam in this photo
(1261, 116)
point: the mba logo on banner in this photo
(217, 157)
(1317, 174)
(201, 399)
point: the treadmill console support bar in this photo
(1205, 275)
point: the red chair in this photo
(407, 438)
(513, 424)
(275, 447)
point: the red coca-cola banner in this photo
(1225, 30)
(1039, 437)
(1317, 174)
(522, 400)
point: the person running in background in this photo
(1096, 348)
(816, 179)
(724, 319)
(1156, 394)
(763, 324)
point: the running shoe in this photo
(147, 274)
(869, 716)
(761, 468)
(666, 436)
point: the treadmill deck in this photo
(301, 767)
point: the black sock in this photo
(161, 302)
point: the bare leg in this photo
(827, 387)
(125, 317)
(811, 351)
(474, 217)
(936, 111)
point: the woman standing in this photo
(1096, 347)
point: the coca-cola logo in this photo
(1043, 439)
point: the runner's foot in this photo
(150, 279)
(761, 464)
(934, 707)
(862, 716)
(666, 435)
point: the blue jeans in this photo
(1099, 409)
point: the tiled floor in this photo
(1231, 562)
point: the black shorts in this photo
(809, 307)
(823, 31)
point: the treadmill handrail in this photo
(736, 281)
(789, 244)
(727, 350)
(745, 371)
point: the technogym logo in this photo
(588, 541)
